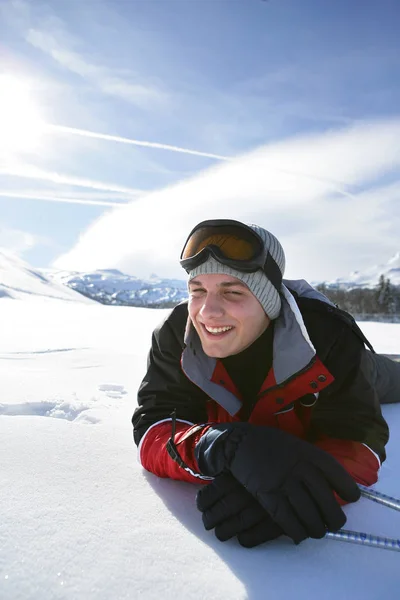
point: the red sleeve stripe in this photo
(174, 461)
(151, 427)
(197, 475)
(358, 459)
(375, 454)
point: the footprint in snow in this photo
(58, 409)
(112, 390)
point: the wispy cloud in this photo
(18, 241)
(66, 200)
(50, 34)
(287, 187)
(65, 192)
(124, 140)
(27, 171)
(106, 79)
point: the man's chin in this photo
(217, 356)
(216, 352)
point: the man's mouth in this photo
(217, 330)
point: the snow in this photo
(17, 280)
(81, 520)
(110, 286)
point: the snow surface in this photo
(81, 520)
(18, 279)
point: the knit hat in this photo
(257, 282)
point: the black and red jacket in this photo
(318, 388)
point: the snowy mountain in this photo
(18, 280)
(110, 286)
(370, 277)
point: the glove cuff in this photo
(216, 448)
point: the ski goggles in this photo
(231, 243)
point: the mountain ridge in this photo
(19, 280)
(111, 286)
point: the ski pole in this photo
(380, 498)
(367, 539)
(364, 539)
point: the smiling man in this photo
(226, 315)
(264, 390)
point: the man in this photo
(263, 389)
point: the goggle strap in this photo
(273, 272)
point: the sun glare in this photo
(21, 125)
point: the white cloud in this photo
(17, 241)
(63, 192)
(312, 192)
(125, 140)
(107, 79)
(49, 33)
(27, 171)
(63, 199)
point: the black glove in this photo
(293, 480)
(229, 508)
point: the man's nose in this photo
(212, 306)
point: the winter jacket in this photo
(319, 388)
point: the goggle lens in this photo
(234, 244)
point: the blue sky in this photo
(221, 77)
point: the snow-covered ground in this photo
(18, 280)
(81, 520)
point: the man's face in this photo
(225, 314)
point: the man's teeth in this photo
(217, 329)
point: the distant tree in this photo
(385, 299)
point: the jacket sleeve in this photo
(165, 390)
(347, 420)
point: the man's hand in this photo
(233, 511)
(291, 479)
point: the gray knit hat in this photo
(257, 282)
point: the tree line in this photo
(382, 301)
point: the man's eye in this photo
(234, 293)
